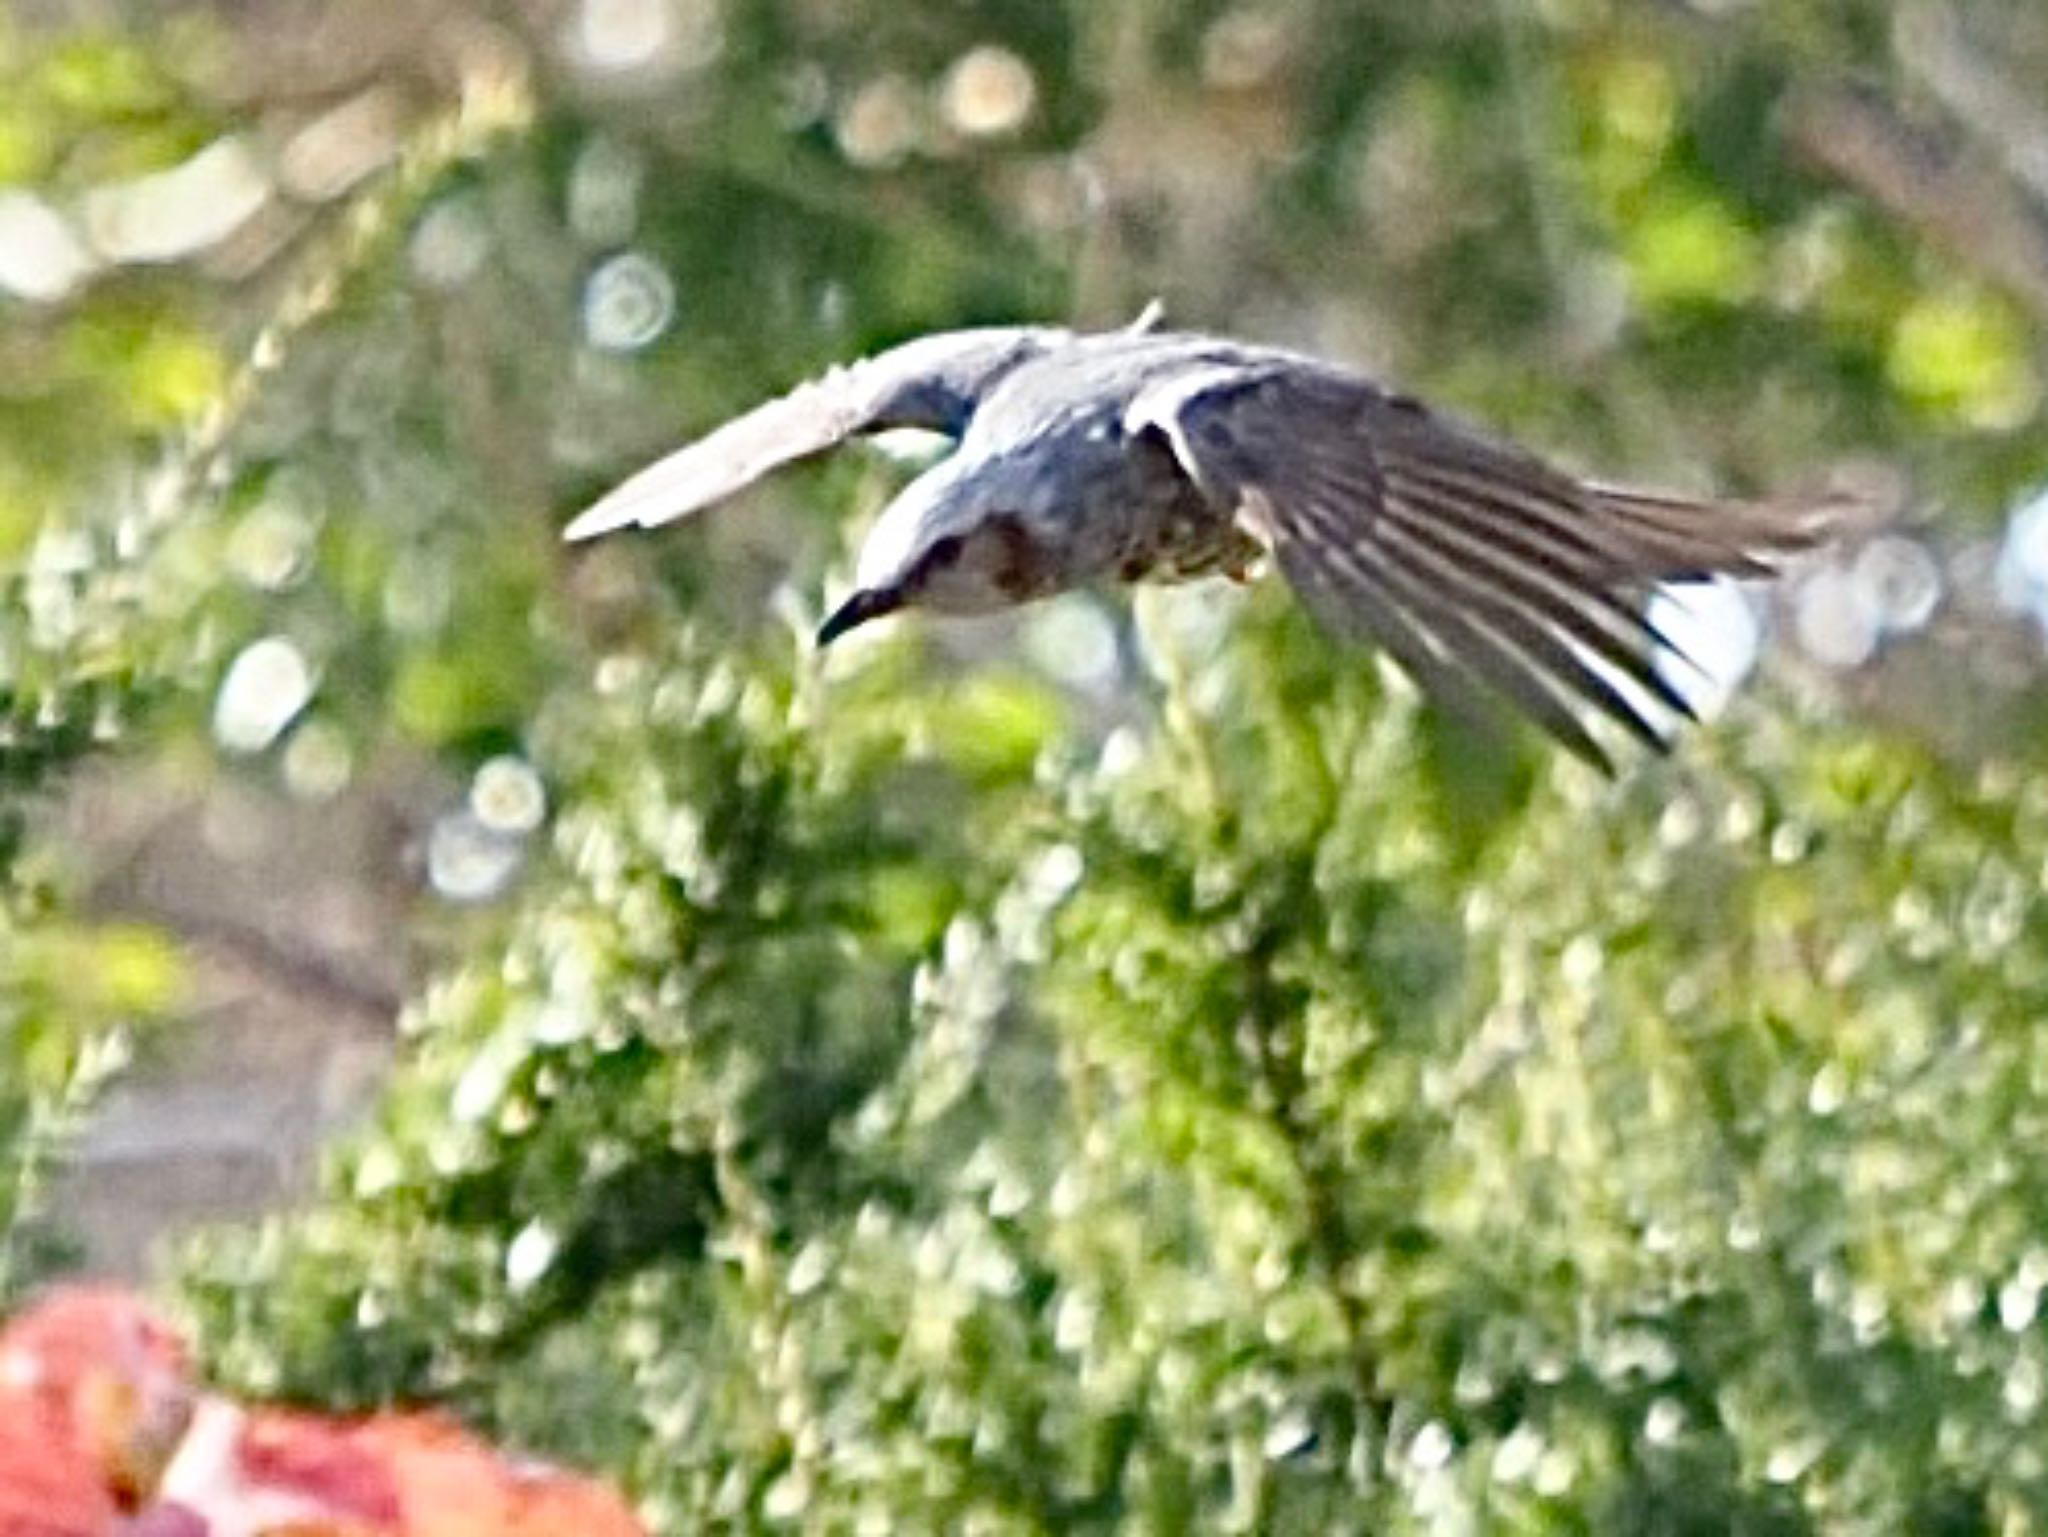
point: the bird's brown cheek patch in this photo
(1017, 566)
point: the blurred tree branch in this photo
(1928, 179)
(1936, 50)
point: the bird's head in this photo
(955, 541)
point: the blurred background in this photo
(1120, 1067)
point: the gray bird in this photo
(1148, 454)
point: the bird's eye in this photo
(944, 551)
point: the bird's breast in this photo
(1182, 546)
(1169, 530)
(1101, 505)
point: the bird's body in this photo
(1094, 500)
(1144, 454)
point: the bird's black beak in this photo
(866, 604)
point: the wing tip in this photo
(599, 520)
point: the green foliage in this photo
(1246, 1156)
(72, 1001)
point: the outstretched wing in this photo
(1480, 569)
(933, 382)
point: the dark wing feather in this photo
(933, 382)
(1479, 568)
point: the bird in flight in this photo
(1146, 454)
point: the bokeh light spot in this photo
(469, 862)
(628, 303)
(507, 796)
(604, 191)
(450, 242)
(989, 92)
(266, 687)
(880, 126)
(1903, 581)
(318, 761)
(616, 35)
(529, 1255)
(1837, 619)
(41, 257)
